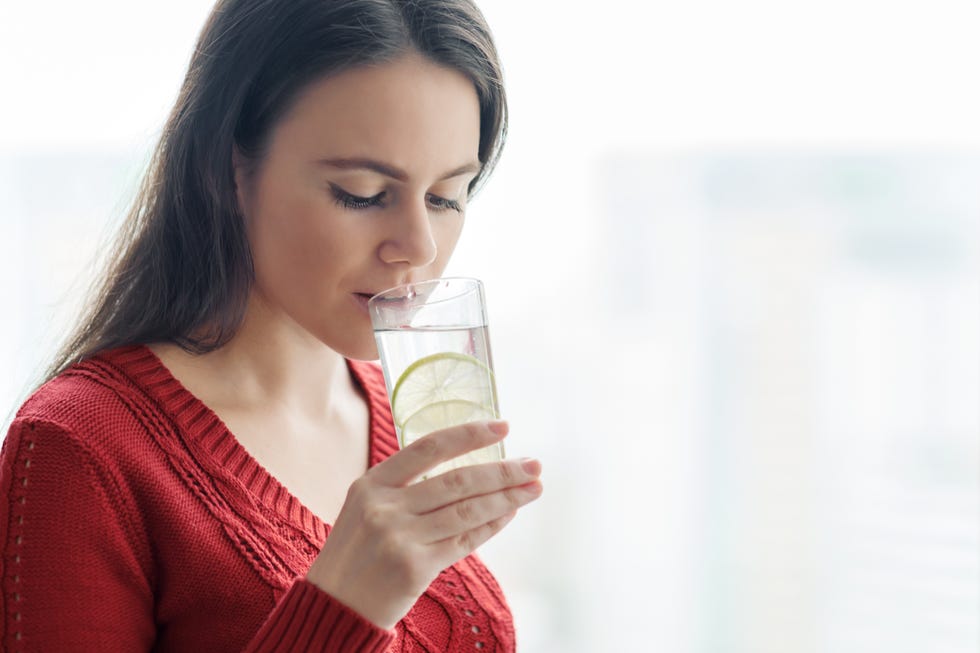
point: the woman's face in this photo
(363, 187)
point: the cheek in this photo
(296, 246)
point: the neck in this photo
(273, 362)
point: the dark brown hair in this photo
(181, 269)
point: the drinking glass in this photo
(435, 351)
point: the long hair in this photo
(181, 270)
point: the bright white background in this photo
(732, 263)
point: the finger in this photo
(454, 548)
(465, 482)
(436, 447)
(464, 516)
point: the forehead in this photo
(412, 113)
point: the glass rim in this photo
(470, 285)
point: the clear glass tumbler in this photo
(435, 351)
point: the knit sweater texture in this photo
(131, 519)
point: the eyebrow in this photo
(391, 171)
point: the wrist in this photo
(354, 595)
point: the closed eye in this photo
(356, 202)
(442, 204)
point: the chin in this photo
(364, 356)
(360, 349)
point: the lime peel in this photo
(445, 376)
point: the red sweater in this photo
(132, 520)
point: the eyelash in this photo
(442, 204)
(357, 203)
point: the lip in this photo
(361, 300)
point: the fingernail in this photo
(498, 427)
(531, 466)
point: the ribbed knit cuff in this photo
(309, 619)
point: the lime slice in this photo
(443, 414)
(443, 390)
(442, 377)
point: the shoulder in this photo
(93, 427)
(94, 402)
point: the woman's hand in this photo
(392, 538)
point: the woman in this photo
(210, 422)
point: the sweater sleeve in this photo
(308, 619)
(77, 570)
(73, 567)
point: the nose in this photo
(410, 239)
